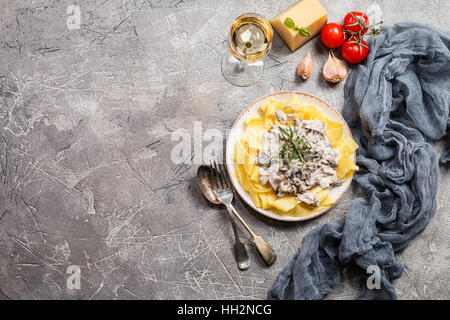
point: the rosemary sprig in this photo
(295, 146)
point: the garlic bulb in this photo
(334, 69)
(304, 69)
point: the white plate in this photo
(238, 129)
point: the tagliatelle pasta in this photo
(247, 171)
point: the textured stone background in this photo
(86, 179)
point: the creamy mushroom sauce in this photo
(294, 177)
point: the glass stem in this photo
(241, 65)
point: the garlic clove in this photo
(341, 68)
(304, 69)
(334, 69)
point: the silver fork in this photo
(222, 188)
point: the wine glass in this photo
(249, 40)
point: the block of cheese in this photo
(305, 13)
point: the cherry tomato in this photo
(356, 22)
(332, 35)
(354, 50)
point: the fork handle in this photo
(265, 250)
(231, 210)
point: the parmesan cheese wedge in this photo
(305, 13)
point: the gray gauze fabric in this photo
(396, 104)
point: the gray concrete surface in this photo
(86, 134)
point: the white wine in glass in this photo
(249, 40)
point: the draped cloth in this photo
(396, 104)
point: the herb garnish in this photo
(295, 145)
(288, 22)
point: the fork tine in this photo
(229, 180)
(219, 175)
(213, 177)
(226, 178)
(222, 179)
